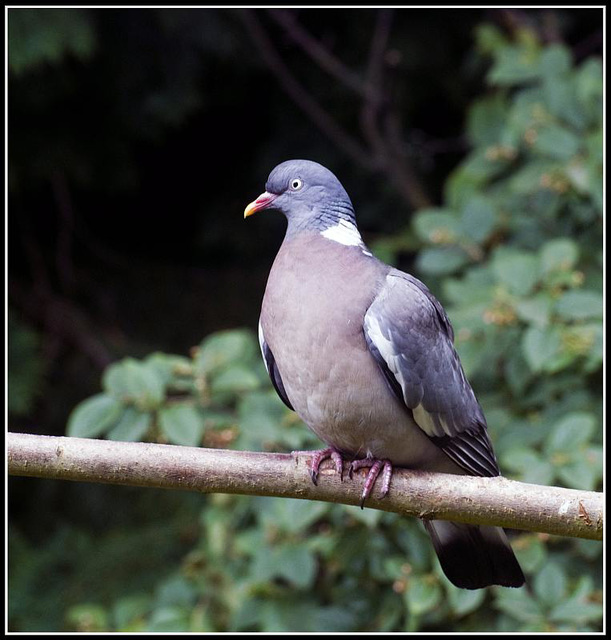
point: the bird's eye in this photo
(296, 184)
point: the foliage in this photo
(26, 367)
(221, 395)
(515, 254)
(39, 37)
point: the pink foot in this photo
(375, 466)
(323, 454)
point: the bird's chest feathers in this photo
(312, 319)
(317, 294)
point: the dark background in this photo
(137, 137)
(136, 142)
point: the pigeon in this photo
(364, 354)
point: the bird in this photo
(363, 353)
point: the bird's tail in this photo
(474, 557)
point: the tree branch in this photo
(321, 55)
(386, 150)
(495, 501)
(300, 96)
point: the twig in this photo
(388, 144)
(405, 178)
(384, 151)
(63, 253)
(493, 501)
(61, 319)
(321, 55)
(371, 108)
(299, 95)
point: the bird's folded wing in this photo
(410, 336)
(272, 369)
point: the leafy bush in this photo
(515, 254)
(26, 366)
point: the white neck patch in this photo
(347, 234)
(344, 232)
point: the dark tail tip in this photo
(474, 557)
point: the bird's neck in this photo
(334, 221)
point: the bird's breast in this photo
(312, 319)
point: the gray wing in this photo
(410, 336)
(272, 369)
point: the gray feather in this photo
(410, 336)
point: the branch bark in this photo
(494, 501)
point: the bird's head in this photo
(308, 194)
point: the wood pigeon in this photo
(363, 353)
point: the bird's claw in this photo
(375, 467)
(319, 456)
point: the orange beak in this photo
(262, 202)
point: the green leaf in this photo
(369, 517)
(176, 590)
(517, 373)
(580, 304)
(297, 564)
(486, 119)
(589, 88)
(114, 380)
(579, 607)
(517, 270)
(527, 179)
(135, 381)
(535, 310)
(436, 225)
(38, 36)
(561, 100)
(531, 552)
(293, 562)
(550, 584)
(577, 172)
(519, 604)
(132, 426)
(539, 346)
(169, 619)
(26, 366)
(260, 416)
(557, 142)
(531, 467)
(423, 594)
(290, 515)
(221, 349)
(478, 218)
(128, 609)
(235, 378)
(334, 619)
(168, 366)
(441, 260)
(87, 617)
(556, 59)
(93, 416)
(571, 432)
(559, 254)
(489, 38)
(464, 601)
(575, 611)
(182, 424)
(580, 474)
(514, 65)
